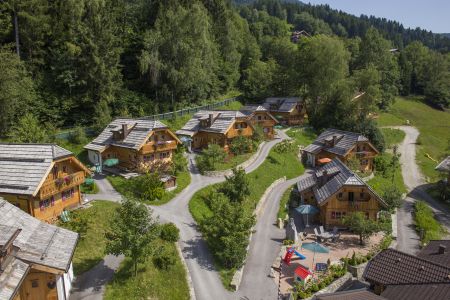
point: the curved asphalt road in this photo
(407, 238)
(205, 279)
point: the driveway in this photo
(407, 238)
(205, 279)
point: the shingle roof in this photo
(283, 104)
(139, 129)
(23, 166)
(12, 277)
(250, 109)
(345, 141)
(338, 175)
(392, 267)
(361, 294)
(222, 120)
(417, 292)
(431, 252)
(39, 243)
(444, 166)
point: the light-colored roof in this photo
(338, 175)
(12, 277)
(345, 140)
(444, 166)
(250, 109)
(24, 166)
(222, 120)
(39, 243)
(284, 104)
(139, 129)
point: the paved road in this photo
(264, 248)
(206, 280)
(407, 238)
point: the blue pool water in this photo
(315, 247)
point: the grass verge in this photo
(427, 226)
(434, 130)
(274, 167)
(123, 186)
(150, 282)
(89, 189)
(283, 210)
(392, 136)
(91, 248)
(380, 182)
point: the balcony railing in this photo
(60, 184)
(364, 154)
(159, 146)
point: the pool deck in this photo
(343, 248)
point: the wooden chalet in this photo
(259, 116)
(132, 142)
(35, 257)
(216, 127)
(397, 275)
(337, 192)
(288, 111)
(40, 179)
(343, 144)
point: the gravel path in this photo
(407, 238)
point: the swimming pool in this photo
(315, 247)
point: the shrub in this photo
(288, 242)
(179, 162)
(147, 187)
(170, 232)
(240, 145)
(78, 136)
(164, 260)
(210, 157)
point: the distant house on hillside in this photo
(343, 144)
(40, 179)
(259, 116)
(128, 143)
(216, 127)
(288, 111)
(35, 257)
(397, 275)
(336, 191)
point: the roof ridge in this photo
(413, 256)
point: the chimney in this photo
(334, 140)
(124, 130)
(211, 119)
(324, 178)
(442, 249)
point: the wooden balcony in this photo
(364, 154)
(158, 146)
(62, 183)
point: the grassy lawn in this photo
(274, 167)
(379, 183)
(434, 127)
(427, 226)
(233, 161)
(90, 249)
(283, 210)
(392, 136)
(302, 136)
(89, 189)
(150, 282)
(124, 187)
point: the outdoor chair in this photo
(315, 232)
(322, 231)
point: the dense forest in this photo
(83, 62)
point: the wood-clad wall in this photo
(38, 285)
